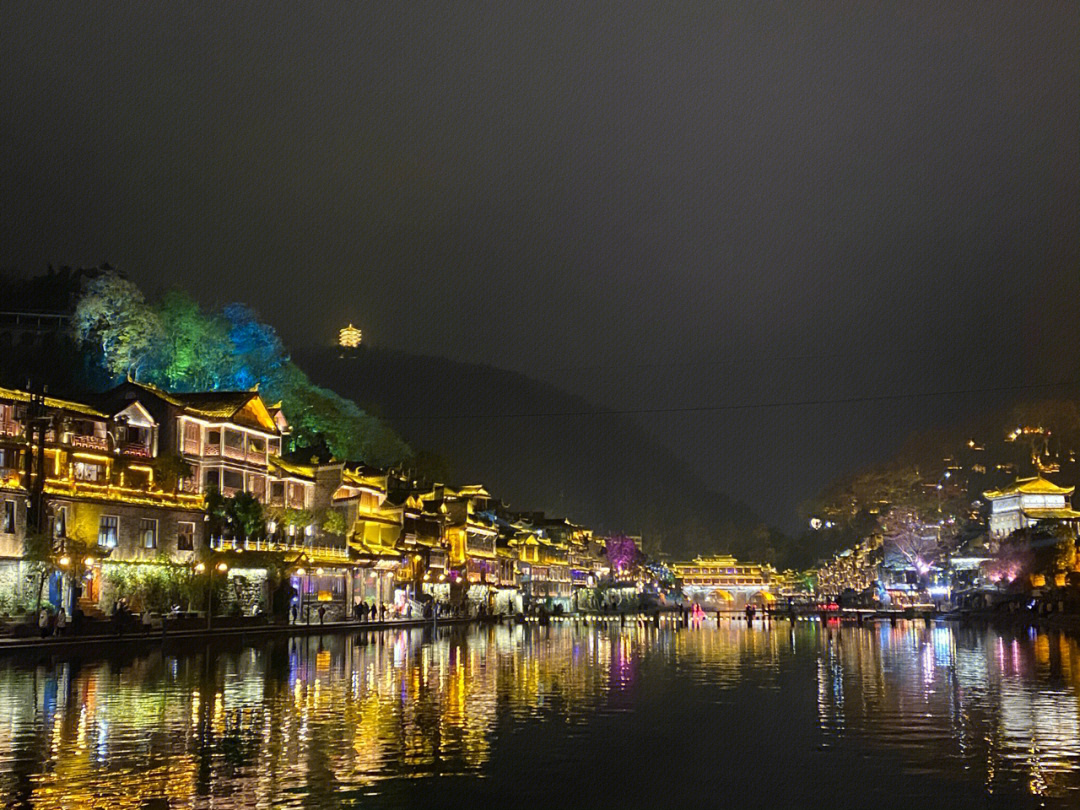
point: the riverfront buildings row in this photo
(116, 490)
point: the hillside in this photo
(600, 470)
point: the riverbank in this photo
(156, 636)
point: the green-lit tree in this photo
(240, 517)
(113, 316)
(334, 523)
(194, 353)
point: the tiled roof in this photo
(52, 402)
(290, 468)
(1036, 485)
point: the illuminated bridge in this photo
(723, 582)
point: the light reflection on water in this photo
(777, 716)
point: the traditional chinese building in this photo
(1028, 501)
(723, 581)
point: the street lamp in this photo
(200, 568)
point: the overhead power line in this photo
(744, 406)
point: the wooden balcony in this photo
(89, 442)
(134, 450)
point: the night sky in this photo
(657, 206)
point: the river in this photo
(779, 715)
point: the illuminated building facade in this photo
(349, 337)
(88, 478)
(1028, 501)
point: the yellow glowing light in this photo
(199, 568)
(300, 572)
(222, 567)
(318, 572)
(65, 561)
(89, 561)
(349, 337)
(417, 557)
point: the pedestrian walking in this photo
(322, 613)
(43, 622)
(61, 622)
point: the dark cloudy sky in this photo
(656, 205)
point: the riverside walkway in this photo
(136, 635)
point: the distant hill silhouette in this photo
(600, 470)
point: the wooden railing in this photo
(89, 442)
(135, 450)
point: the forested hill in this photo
(513, 434)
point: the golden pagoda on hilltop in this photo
(1027, 501)
(349, 337)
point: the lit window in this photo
(185, 536)
(88, 471)
(148, 533)
(108, 531)
(9, 517)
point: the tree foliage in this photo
(334, 522)
(239, 517)
(113, 316)
(623, 554)
(177, 345)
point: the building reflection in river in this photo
(313, 715)
(1004, 705)
(306, 721)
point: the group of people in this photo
(373, 612)
(49, 623)
(363, 612)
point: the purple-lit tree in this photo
(913, 539)
(623, 554)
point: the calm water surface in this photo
(777, 716)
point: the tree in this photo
(623, 554)
(112, 315)
(183, 348)
(42, 549)
(240, 516)
(259, 356)
(194, 353)
(334, 523)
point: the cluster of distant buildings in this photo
(951, 566)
